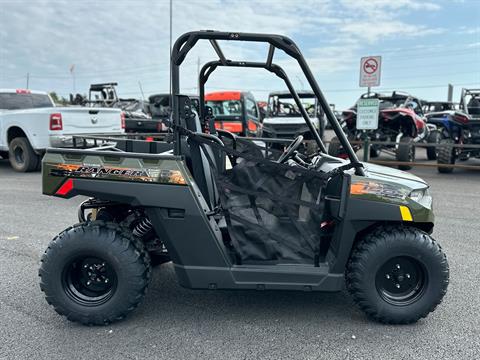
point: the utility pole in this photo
(450, 92)
(141, 90)
(300, 81)
(28, 79)
(72, 71)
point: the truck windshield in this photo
(286, 107)
(226, 107)
(14, 101)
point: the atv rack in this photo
(139, 142)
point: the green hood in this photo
(391, 175)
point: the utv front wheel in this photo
(397, 275)
(94, 273)
(446, 155)
(334, 149)
(405, 152)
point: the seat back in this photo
(199, 165)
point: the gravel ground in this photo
(176, 323)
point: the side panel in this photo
(173, 209)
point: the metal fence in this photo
(366, 154)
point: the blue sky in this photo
(424, 44)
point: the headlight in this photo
(422, 196)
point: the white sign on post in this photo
(370, 71)
(367, 114)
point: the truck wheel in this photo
(374, 152)
(433, 138)
(334, 147)
(95, 273)
(446, 155)
(405, 152)
(397, 275)
(21, 155)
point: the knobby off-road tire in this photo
(446, 155)
(374, 152)
(397, 256)
(95, 273)
(21, 155)
(334, 148)
(405, 152)
(433, 138)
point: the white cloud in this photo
(128, 41)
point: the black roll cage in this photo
(188, 40)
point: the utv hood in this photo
(384, 173)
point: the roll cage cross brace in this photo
(188, 40)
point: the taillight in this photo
(23, 91)
(122, 119)
(233, 127)
(56, 122)
(461, 118)
(66, 187)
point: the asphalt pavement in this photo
(177, 323)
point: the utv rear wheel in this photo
(405, 152)
(433, 138)
(397, 275)
(374, 152)
(21, 155)
(334, 147)
(446, 155)
(94, 273)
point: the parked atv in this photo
(228, 217)
(285, 121)
(235, 111)
(136, 113)
(457, 126)
(401, 123)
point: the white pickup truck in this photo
(30, 122)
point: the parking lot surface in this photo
(176, 323)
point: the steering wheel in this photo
(290, 150)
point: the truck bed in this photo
(130, 157)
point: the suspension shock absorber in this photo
(143, 227)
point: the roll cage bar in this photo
(210, 67)
(188, 40)
(474, 93)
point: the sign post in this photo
(367, 119)
(370, 71)
(367, 109)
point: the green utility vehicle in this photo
(230, 213)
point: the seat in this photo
(473, 106)
(199, 164)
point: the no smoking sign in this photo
(370, 70)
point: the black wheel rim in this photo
(89, 280)
(401, 280)
(19, 155)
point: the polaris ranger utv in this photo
(229, 217)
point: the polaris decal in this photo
(114, 173)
